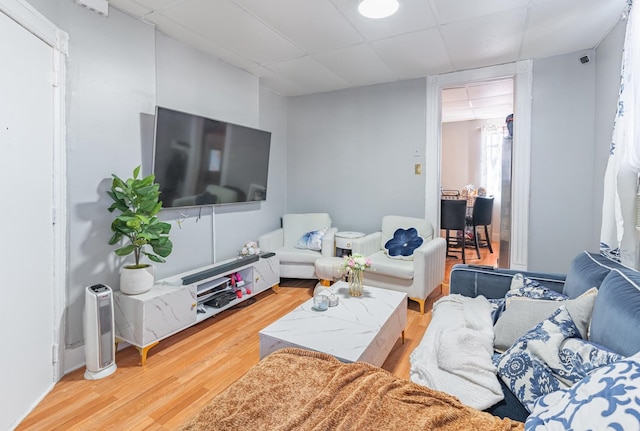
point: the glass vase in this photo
(355, 282)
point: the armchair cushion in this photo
(312, 240)
(403, 244)
(418, 277)
(299, 262)
(381, 264)
(297, 255)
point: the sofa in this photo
(418, 272)
(610, 331)
(302, 239)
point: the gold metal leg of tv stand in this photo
(144, 351)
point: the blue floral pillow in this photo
(522, 286)
(527, 367)
(609, 398)
(312, 240)
(580, 357)
(403, 243)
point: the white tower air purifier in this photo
(99, 336)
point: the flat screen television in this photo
(202, 161)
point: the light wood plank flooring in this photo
(184, 372)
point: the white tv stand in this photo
(146, 319)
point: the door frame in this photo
(522, 74)
(33, 21)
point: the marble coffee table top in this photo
(361, 328)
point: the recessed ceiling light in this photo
(378, 8)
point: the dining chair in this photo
(453, 218)
(481, 216)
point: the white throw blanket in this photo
(454, 355)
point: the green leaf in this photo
(163, 249)
(137, 200)
(115, 238)
(124, 251)
(154, 258)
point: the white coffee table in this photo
(357, 329)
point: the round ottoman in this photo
(329, 269)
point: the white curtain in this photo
(619, 236)
(491, 159)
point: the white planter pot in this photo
(134, 281)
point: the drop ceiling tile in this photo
(130, 7)
(450, 11)
(454, 94)
(415, 54)
(492, 101)
(197, 41)
(491, 39)
(157, 4)
(359, 65)
(413, 15)
(498, 111)
(276, 83)
(461, 105)
(490, 89)
(234, 29)
(316, 26)
(453, 116)
(555, 27)
(309, 74)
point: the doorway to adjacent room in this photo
(476, 153)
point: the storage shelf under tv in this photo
(171, 306)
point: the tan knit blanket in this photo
(295, 389)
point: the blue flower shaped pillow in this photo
(403, 244)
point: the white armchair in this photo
(298, 262)
(418, 277)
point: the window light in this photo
(378, 8)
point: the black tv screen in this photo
(202, 161)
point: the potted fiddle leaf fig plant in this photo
(137, 201)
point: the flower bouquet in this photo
(355, 266)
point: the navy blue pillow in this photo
(403, 243)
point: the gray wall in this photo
(562, 159)
(351, 153)
(118, 69)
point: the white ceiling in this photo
(300, 47)
(478, 101)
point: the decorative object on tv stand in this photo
(249, 248)
(138, 203)
(355, 266)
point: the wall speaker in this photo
(584, 59)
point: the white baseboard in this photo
(73, 359)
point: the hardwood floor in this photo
(185, 371)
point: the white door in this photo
(27, 235)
